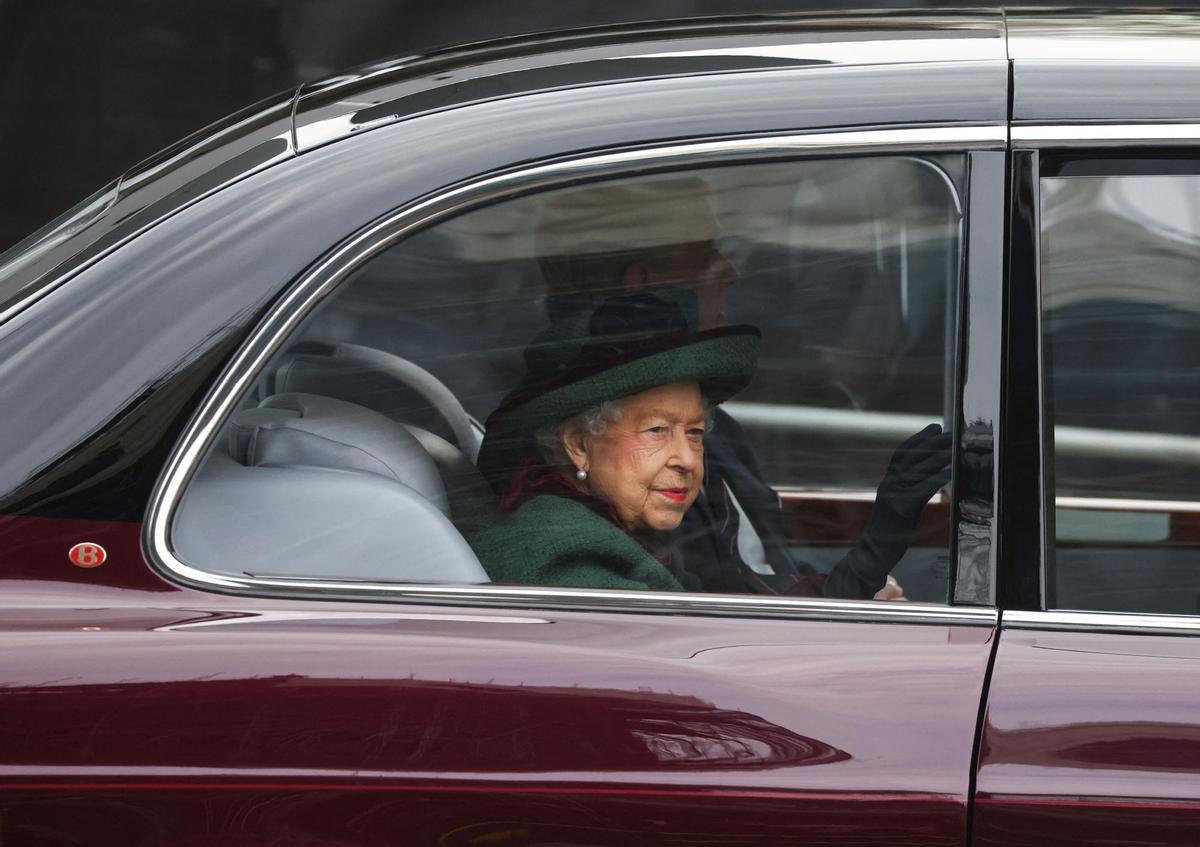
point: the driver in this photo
(598, 242)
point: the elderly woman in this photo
(599, 451)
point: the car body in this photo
(148, 701)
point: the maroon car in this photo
(242, 391)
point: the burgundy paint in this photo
(145, 714)
(356, 818)
(37, 548)
(1091, 738)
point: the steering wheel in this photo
(322, 367)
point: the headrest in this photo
(306, 430)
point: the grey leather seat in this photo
(317, 487)
(389, 385)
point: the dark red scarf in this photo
(533, 477)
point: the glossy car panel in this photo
(1112, 69)
(1090, 738)
(1105, 91)
(809, 97)
(323, 815)
(977, 457)
(1123, 37)
(201, 164)
(1020, 580)
(632, 718)
(378, 95)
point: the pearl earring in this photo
(581, 475)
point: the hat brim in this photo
(722, 362)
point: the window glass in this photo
(1121, 321)
(683, 382)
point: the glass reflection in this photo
(1121, 322)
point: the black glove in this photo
(919, 467)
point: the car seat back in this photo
(311, 486)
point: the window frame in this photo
(1038, 150)
(304, 294)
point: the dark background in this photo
(89, 88)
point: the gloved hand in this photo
(919, 467)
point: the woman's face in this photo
(648, 465)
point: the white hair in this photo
(593, 420)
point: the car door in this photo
(1090, 733)
(156, 692)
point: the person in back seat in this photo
(599, 452)
(602, 241)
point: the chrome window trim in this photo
(1045, 495)
(1103, 135)
(720, 605)
(326, 274)
(1063, 620)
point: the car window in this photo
(394, 436)
(1120, 275)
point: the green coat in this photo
(556, 541)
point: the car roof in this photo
(223, 152)
(1051, 52)
(1113, 67)
(312, 115)
(384, 93)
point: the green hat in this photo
(629, 344)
